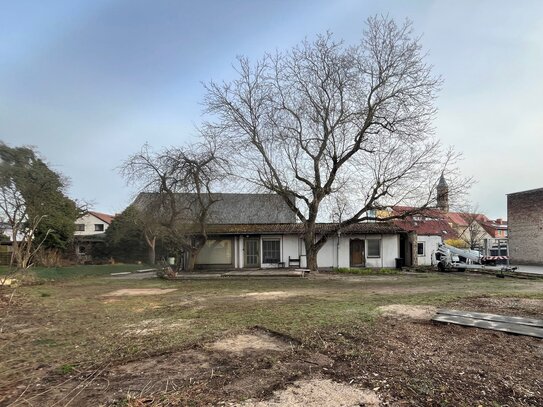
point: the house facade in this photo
(430, 231)
(249, 231)
(525, 226)
(89, 232)
(246, 246)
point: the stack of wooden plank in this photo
(514, 325)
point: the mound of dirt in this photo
(138, 291)
(422, 312)
(249, 343)
(317, 393)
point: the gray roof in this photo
(298, 228)
(236, 208)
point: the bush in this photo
(52, 258)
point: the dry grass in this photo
(67, 331)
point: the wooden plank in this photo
(493, 317)
(496, 326)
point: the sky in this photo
(89, 82)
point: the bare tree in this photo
(22, 226)
(473, 232)
(324, 119)
(179, 183)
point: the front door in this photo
(252, 252)
(356, 250)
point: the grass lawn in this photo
(79, 321)
(76, 272)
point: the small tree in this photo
(176, 196)
(324, 120)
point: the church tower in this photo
(443, 194)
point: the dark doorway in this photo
(251, 248)
(357, 255)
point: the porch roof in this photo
(298, 228)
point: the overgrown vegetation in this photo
(34, 205)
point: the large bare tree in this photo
(326, 119)
(177, 184)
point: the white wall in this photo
(293, 246)
(89, 221)
(430, 246)
(330, 252)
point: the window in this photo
(271, 251)
(420, 248)
(374, 247)
(217, 251)
(80, 227)
(98, 228)
(82, 249)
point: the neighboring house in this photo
(89, 232)
(430, 232)
(497, 229)
(436, 225)
(525, 226)
(260, 231)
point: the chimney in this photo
(499, 221)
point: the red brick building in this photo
(525, 226)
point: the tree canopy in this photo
(33, 200)
(335, 125)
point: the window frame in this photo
(79, 227)
(370, 256)
(423, 254)
(99, 227)
(271, 239)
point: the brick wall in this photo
(525, 227)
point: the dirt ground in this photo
(397, 361)
(337, 355)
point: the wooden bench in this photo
(293, 261)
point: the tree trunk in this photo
(151, 244)
(191, 262)
(151, 253)
(311, 252)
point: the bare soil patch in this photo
(269, 295)
(257, 341)
(138, 291)
(318, 393)
(152, 326)
(421, 312)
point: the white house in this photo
(92, 223)
(89, 231)
(260, 231)
(375, 245)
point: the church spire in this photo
(443, 194)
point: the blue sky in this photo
(88, 82)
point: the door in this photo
(252, 252)
(357, 255)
